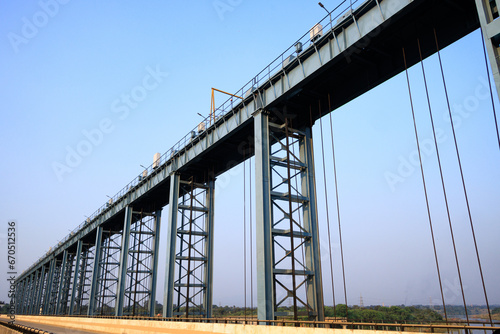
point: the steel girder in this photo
(288, 256)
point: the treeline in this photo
(391, 314)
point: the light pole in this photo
(329, 13)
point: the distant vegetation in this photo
(386, 314)
(394, 314)
(354, 313)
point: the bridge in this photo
(108, 265)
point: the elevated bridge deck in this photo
(354, 53)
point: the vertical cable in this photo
(244, 235)
(498, 137)
(338, 208)
(251, 241)
(491, 91)
(463, 184)
(420, 159)
(442, 183)
(326, 206)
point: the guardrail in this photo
(420, 327)
(340, 13)
(23, 329)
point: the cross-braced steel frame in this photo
(288, 256)
(82, 278)
(65, 283)
(139, 264)
(52, 286)
(105, 273)
(189, 272)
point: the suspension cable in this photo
(244, 235)
(338, 207)
(463, 184)
(251, 241)
(460, 166)
(491, 90)
(442, 182)
(326, 206)
(423, 174)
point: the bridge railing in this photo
(340, 13)
(344, 324)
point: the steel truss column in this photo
(75, 276)
(19, 291)
(122, 272)
(490, 26)
(54, 288)
(24, 291)
(61, 282)
(192, 257)
(173, 199)
(19, 296)
(264, 240)
(209, 248)
(48, 287)
(65, 283)
(140, 269)
(85, 274)
(41, 287)
(33, 292)
(314, 284)
(95, 272)
(288, 256)
(154, 276)
(107, 278)
(27, 292)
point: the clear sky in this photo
(71, 72)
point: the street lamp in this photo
(329, 14)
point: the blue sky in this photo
(70, 75)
